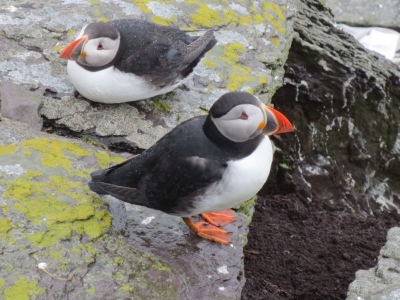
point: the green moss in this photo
(23, 289)
(126, 288)
(2, 283)
(161, 267)
(161, 106)
(247, 208)
(9, 149)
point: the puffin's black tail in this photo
(197, 49)
(96, 177)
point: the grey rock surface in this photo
(383, 281)
(20, 105)
(344, 101)
(384, 13)
(96, 247)
(253, 43)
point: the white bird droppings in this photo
(221, 288)
(148, 220)
(223, 270)
(42, 265)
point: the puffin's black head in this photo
(97, 45)
(240, 116)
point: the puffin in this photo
(206, 165)
(127, 60)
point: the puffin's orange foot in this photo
(220, 218)
(208, 232)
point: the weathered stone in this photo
(20, 105)
(382, 281)
(385, 13)
(344, 103)
(106, 249)
(253, 42)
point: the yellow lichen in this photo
(103, 19)
(275, 41)
(262, 79)
(126, 288)
(163, 21)
(5, 226)
(71, 32)
(206, 16)
(97, 12)
(209, 63)
(159, 266)
(142, 4)
(236, 81)
(103, 159)
(9, 149)
(273, 6)
(23, 289)
(276, 23)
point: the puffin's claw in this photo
(208, 232)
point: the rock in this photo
(253, 42)
(344, 103)
(384, 13)
(20, 105)
(382, 281)
(96, 247)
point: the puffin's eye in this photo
(100, 47)
(243, 116)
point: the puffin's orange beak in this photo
(276, 122)
(75, 49)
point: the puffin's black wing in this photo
(179, 165)
(159, 53)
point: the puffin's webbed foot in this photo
(208, 232)
(220, 218)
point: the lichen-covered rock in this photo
(96, 248)
(253, 42)
(382, 281)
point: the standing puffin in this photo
(204, 165)
(127, 60)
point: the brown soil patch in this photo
(301, 251)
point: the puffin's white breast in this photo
(241, 180)
(111, 85)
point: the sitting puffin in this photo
(204, 165)
(127, 60)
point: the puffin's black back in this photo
(183, 162)
(154, 49)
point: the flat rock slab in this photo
(96, 247)
(253, 42)
(384, 13)
(383, 281)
